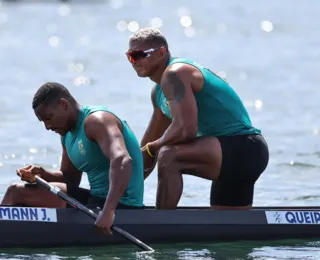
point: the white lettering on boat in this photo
(28, 214)
(293, 217)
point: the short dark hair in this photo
(150, 35)
(51, 92)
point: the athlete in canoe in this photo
(199, 126)
(95, 141)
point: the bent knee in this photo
(167, 153)
(14, 187)
(167, 158)
(16, 192)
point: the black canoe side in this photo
(188, 224)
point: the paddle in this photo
(76, 204)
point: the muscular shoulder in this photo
(99, 121)
(179, 73)
(174, 82)
(181, 69)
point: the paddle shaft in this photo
(76, 204)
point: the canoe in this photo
(45, 227)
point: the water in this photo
(219, 251)
(268, 50)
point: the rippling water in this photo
(218, 251)
(268, 50)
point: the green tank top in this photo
(87, 156)
(220, 110)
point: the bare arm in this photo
(157, 126)
(178, 90)
(105, 129)
(158, 123)
(67, 174)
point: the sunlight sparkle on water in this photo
(291, 162)
(75, 67)
(133, 26)
(122, 26)
(81, 81)
(33, 150)
(64, 10)
(258, 104)
(315, 131)
(54, 41)
(79, 67)
(266, 26)
(186, 21)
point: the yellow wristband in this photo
(148, 150)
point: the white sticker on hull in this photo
(293, 217)
(28, 214)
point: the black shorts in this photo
(244, 158)
(84, 197)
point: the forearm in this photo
(176, 133)
(150, 134)
(53, 176)
(147, 138)
(159, 123)
(120, 173)
(60, 176)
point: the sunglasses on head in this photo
(137, 55)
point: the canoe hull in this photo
(73, 228)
